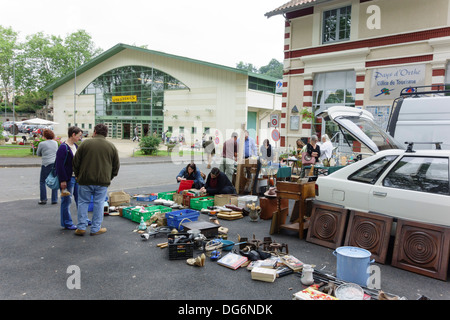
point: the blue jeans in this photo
(66, 218)
(45, 171)
(99, 196)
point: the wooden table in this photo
(299, 193)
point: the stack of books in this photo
(264, 274)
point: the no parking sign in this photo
(275, 135)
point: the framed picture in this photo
(295, 123)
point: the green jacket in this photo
(96, 162)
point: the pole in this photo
(75, 96)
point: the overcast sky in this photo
(222, 32)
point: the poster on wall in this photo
(387, 83)
(380, 115)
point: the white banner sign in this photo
(387, 83)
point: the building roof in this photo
(120, 47)
(293, 5)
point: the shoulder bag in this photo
(52, 180)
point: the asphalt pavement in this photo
(41, 261)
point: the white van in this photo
(421, 115)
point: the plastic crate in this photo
(148, 197)
(180, 250)
(185, 185)
(175, 218)
(126, 212)
(148, 212)
(166, 195)
(201, 203)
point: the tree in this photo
(46, 58)
(8, 45)
(246, 66)
(273, 69)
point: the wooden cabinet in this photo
(292, 191)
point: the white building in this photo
(127, 86)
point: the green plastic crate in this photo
(126, 212)
(201, 203)
(166, 195)
(136, 214)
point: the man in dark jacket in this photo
(95, 164)
(218, 183)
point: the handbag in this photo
(52, 180)
(307, 159)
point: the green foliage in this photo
(149, 145)
(273, 69)
(37, 62)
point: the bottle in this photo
(307, 275)
(142, 225)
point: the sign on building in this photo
(387, 83)
(124, 98)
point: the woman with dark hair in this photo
(68, 185)
(266, 152)
(47, 150)
(191, 173)
(218, 183)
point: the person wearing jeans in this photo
(63, 164)
(84, 198)
(95, 164)
(47, 150)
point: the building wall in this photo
(411, 33)
(216, 99)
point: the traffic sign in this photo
(275, 135)
(274, 120)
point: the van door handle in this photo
(380, 194)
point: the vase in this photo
(254, 215)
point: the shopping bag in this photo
(52, 180)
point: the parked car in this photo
(7, 125)
(395, 181)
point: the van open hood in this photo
(360, 125)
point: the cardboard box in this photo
(118, 198)
(178, 198)
(245, 200)
(222, 199)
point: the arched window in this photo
(132, 92)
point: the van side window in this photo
(423, 174)
(371, 172)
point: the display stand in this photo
(299, 193)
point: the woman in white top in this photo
(326, 148)
(47, 150)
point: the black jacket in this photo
(222, 183)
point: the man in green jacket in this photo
(95, 164)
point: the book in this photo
(264, 274)
(270, 263)
(292, 262)
(232, 260)
(283, 271)
(312, 294)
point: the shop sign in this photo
(387, 83)
(124, 98)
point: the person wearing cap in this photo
(229, 156)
